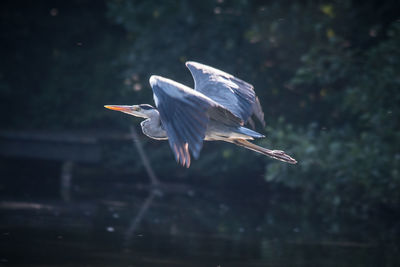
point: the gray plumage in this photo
(233, 93)
(216, 110)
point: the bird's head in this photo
(142, 110)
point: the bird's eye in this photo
(136, 108)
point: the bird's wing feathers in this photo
(258, 112)
(184, 115)
(236, 95)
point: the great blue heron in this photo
(216, 109)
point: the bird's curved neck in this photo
(152, 127)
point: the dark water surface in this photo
(121, 221)
(100, 233)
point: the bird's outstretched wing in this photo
(185, 114)
(235, 94)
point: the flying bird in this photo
(215, 110)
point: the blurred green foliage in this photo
(351, 166)
(327, 74)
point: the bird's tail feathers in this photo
(275, 154)
(250, 132)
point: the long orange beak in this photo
(121, 108)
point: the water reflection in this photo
(172, 231)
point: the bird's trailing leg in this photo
(275, 154)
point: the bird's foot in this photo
(281, 155)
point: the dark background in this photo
(327, 74)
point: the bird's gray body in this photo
(215, 131)
(216, 110)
